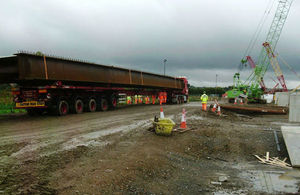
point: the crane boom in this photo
(252, 64)
(255, 83)
(274, 62)
(272, 38)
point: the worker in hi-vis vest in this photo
(128, 100)
(204, 99)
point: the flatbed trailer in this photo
(258, 109)
(59, 85)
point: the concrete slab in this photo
(282, 98)
(291, 136)
(294, 108)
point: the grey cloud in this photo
(193, 35)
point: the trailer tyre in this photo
(178, 100)
(113, 102)
(78, 106)
(185, 99)
(62, 108)
(92, 105)
(103, 104)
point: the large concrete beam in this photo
(294, 108)
(291, 136)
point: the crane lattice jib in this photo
(274, 62)
(272, 37)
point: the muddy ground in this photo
(116, 152)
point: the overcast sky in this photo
(199, 38)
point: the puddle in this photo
(74, 143)
(251, 126)
(285, 124)
(171, 117)
(229, 192)
(30, 148)
(193, 104)
(89, 139)
(195, 117)
(242, 115)
(273, 181)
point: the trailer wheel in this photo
(78, 106)
(92, 105)
(103, 104)
(62, 108)
(113, 102)
(178, 100)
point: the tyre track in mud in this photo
(30, 146)
(45, 131)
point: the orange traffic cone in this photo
(183, 120)
(162, 112)
(241, 102)
(214, 108)
(219, 110)
(234, 100)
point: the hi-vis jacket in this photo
(204, 98)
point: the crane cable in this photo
(259, 27)
(290, 67)
(273, 79)
(264, 21)
(257, 31)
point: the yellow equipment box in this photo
(164, 126)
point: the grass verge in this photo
(6, 101)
